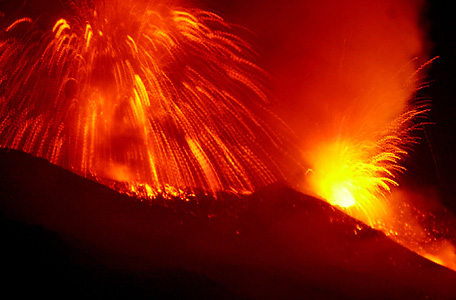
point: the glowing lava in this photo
(358, 175)
(163, 99)
(356, 110)
(152, 99)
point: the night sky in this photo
(442, 93)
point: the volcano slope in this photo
(66, 235)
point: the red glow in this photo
(167, 100)
(140, 93)
(356, 71)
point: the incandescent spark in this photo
(139, 92)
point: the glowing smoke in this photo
(348, 72)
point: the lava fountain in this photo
(363, 65)
(164, 100)
(139, 92)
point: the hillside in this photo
(65, 235)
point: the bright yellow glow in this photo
(357, 175)
(341, 196)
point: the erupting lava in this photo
(159, 100)
(358, 178)
(363, 122)
(358, 174)
(138, 92)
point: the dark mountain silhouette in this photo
(63, 235)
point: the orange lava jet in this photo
(162, 99)
(357, 116)
(358, 174)
(359, 178)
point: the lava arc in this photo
(159, 98)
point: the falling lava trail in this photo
(142, 96)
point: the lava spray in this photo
(161, 98)
(349, 73)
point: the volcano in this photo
(219, 221)
(66, 235)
